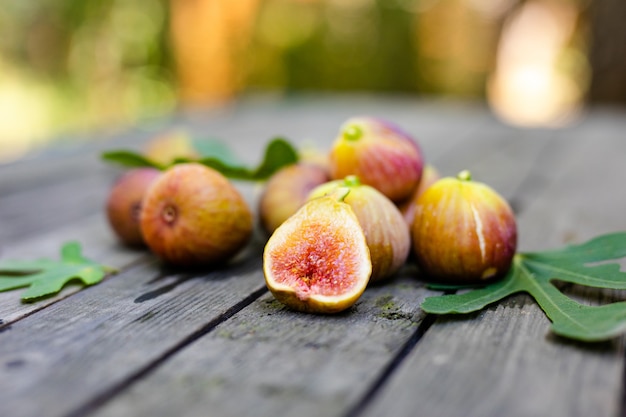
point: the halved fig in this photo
(318, 261)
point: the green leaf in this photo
(129, 159)
(216, 149)
(278, 153)
(592, 264)
(45, 277)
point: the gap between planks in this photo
(107, 395)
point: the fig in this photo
(193, 216)
(124, 204)
(317, 261)
(287, 190)
(386, 233)
(164, 149)
(312, 155)
(430, 175)
(380, 154)
(463, 232)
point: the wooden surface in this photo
(154, 341)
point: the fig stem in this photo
(352, 132)
(339, 193)
(351, 181)
(464, 175)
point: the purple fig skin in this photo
(194, 216)
(386, 231)
(287, 190)
(380, 154)
(124, 204)
(464, 232)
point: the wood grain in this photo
(83, 346)
(157, 341)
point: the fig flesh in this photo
(386, 233)
(318, 261)
(193, 215)
(463, 232)
(380, 154)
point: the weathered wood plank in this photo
(79, 348)
(60, 162)
(137, 344)
(278, 362)
(98, 243)
(36, 211)
(503, 360)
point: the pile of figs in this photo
(335, 226)
(459, 231)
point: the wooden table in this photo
(153, 341)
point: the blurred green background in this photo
(75, 65)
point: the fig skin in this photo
(430, 175)
(124, 204)
(164, 149)
(464, 232)
(380, 154)
(194, 216)
(386, 232)
(318, 261)
(287, 190)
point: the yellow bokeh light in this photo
(528, 87)
(25, 114)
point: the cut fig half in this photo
(318, 261)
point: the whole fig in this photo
(287, 190)
(380, 154)
(165, 148)
(193, 215)
(124, 203)
(463, 231)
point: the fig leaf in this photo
(215, 148)
(593, 264)
(129, 159)
(278, 153)
(46, 277)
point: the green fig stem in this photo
(351, 181)
(339, 193)
(352, 132)
(464, 175)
